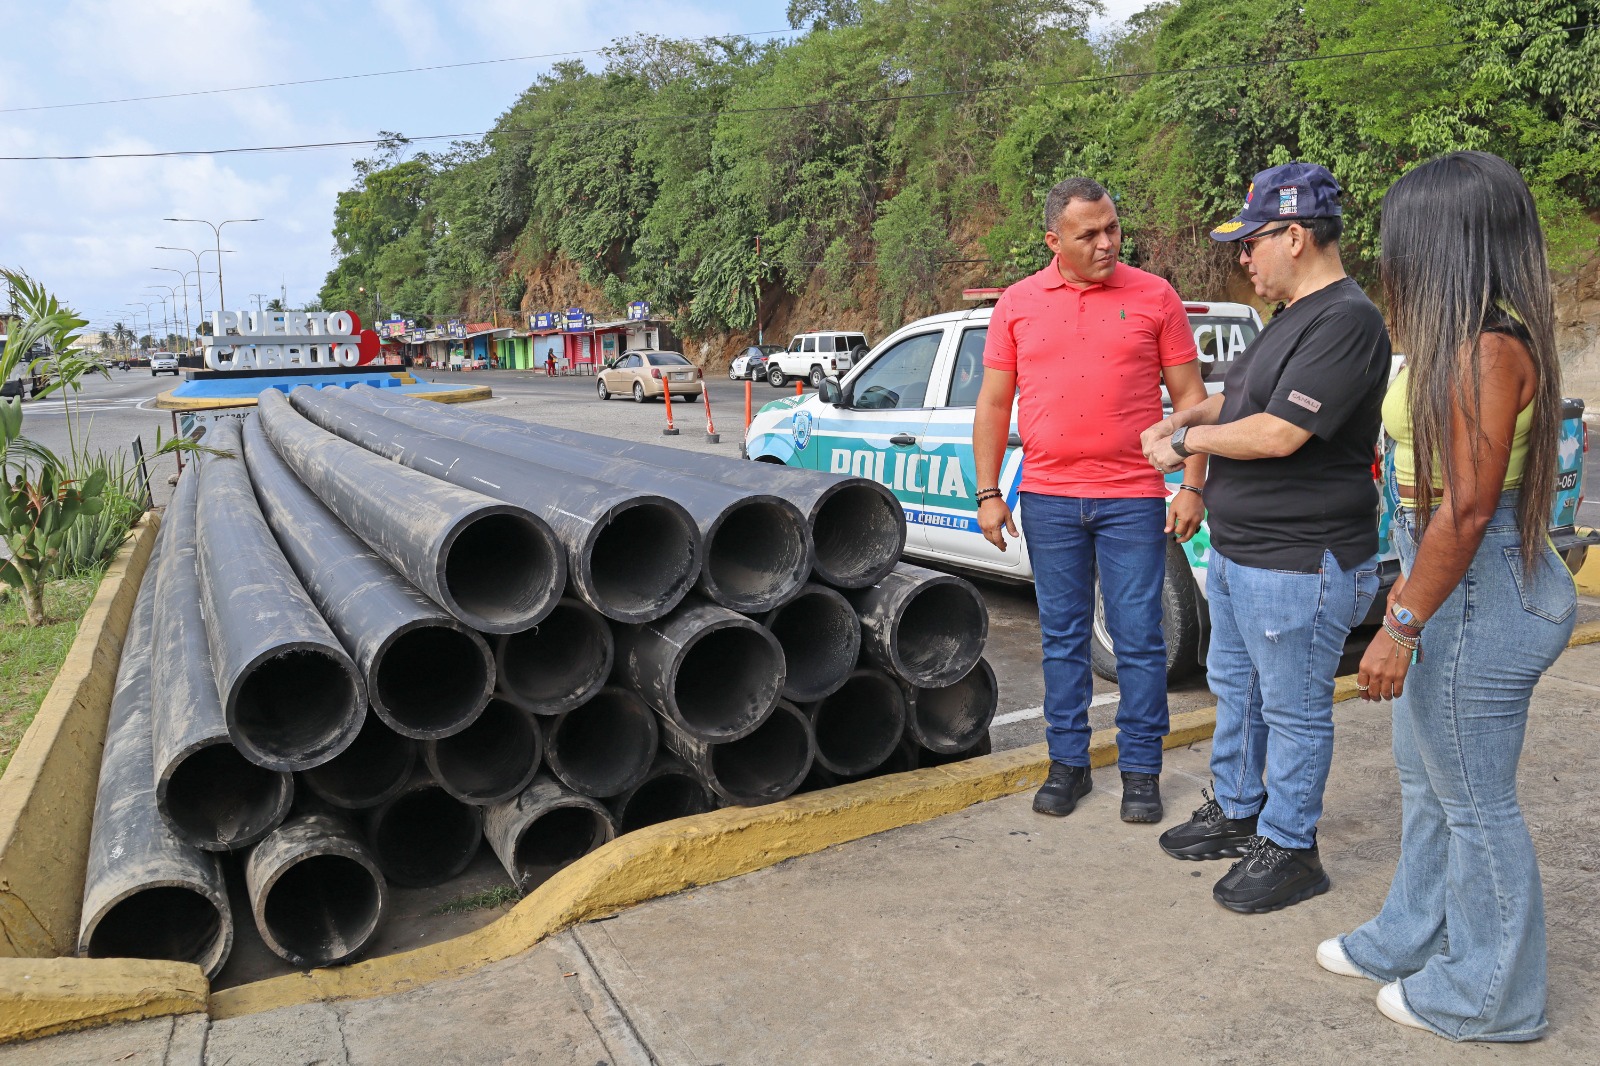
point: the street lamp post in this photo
(188, 329)
(166, 325)
(216, 229)
(199, 289)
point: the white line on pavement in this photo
(1038, 712)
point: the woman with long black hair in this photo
(1485, 605)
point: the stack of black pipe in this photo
(379, 631)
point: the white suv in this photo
(163, 363)
(815, 356)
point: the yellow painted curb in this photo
(168, 402)
(1588, 575)
(47, 794)
(41, 997)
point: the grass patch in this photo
(492, 897)
(29, 658)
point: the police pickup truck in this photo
(903, 417)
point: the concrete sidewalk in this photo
(991, 936)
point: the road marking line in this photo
(1038, 712)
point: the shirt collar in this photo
(1050, 277)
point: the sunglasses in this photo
(1247, 244)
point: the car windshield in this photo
(769, 349)
(668, 359)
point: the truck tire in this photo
(817, 376)
(776, 378)
(1180, 621)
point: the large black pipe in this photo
(423, 836)
(371, 770)
(757, 545)
(559, 663)
(604, 747)
(315, 892)
(669, 790)
(858, 528)
(949, 719)
(494, 566)
(544, 828)
(290, 694)
(631, 555)
(765, 766)
(210, 795)
(859, 726)
(491, 760)
(924, 627)
(821, 640)
(146, 894)
(427, 674)
(921, 758)
(714, 673)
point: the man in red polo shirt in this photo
(1085, 345)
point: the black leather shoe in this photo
(1141, 797)
(1270, 878)
(1061, 791)
(1209, 834)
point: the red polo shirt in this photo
(1088, 365)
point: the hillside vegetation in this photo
(897, 148)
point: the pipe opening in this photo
(859, 726)
(218, 796)
(642, 560)
(858, 534)
(500, 569)
(425, 837)
(953, 718)
(563, 658)
(431, 679)
(925, 758)
(820, 634)
(662, 799)
(605, 746)
(557, 839)
(295, 706)
(492, 758)
(374, 767)
(942, 624)
(727, 679)
(767, 765)
(170, 922)
(322, 909)
(757, 556)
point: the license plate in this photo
(682, 376)
(1566, 481)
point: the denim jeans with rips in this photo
(1276, 639)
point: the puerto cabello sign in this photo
(247, 340)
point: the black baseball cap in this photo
(1283, 194)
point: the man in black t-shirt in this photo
(1293, 513)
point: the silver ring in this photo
(1361, 687)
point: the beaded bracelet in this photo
(988, 494)
(1411, 644)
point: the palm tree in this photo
(122, 334)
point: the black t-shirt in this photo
(1323, 364)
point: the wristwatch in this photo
(1177, 439)
(1403, 616)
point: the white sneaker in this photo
(1331, 957)
(1392, 1005)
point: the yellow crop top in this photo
(1397, 424)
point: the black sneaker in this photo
(1209, 834)
(1141, 797)
(1270, 878)
(1061, 791)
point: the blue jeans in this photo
(1069, 538)
(1463, 926)
(1276, 638)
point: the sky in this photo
(90, 229)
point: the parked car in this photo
(903, 417)
(163, 363)
(1221, 332)
(647, 374)
(752, 362)
(814, 356)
